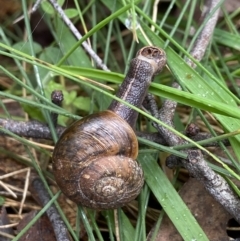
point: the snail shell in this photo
(94, 162)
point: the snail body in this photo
(94, 161)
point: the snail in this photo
(94, 160)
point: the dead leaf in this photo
(42, 230)
(5, 221)
(210, 214)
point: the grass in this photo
(64, 64)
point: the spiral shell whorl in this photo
(99, 170)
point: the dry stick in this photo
(195, 164)
(41, 195)
(157, 138)
(78, 36)
(37, 130)
(192, 130)
(30, 129)
(73, 29)
(24, 191)
(57, 99)
(214, 183)
(204, 38)
(115, 211)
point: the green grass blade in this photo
(227, 39)
(126, 227)
(170, 201)
(183, 97)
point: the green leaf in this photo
(95, 74)
(71, 12)
(170, 201)
(47, 7)
(195, 101)
(49, 55)
(61, 2)
(70, 97)
(25, 47)
(82, 103)
(33, 112)
(2, 200)
(66, 41)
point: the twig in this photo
(28, 129)
(115, 211)
(195, 164)
(204, 37)
(154, 137)
(155, 12)
(34, 9)
(38, 130)
(166, 115)
(192, 130)
(214, 183)
(9, 190)
(24, 191)
(31, 129)
(57, 99)
(78, 36)
(72, 28)
(41, 195)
